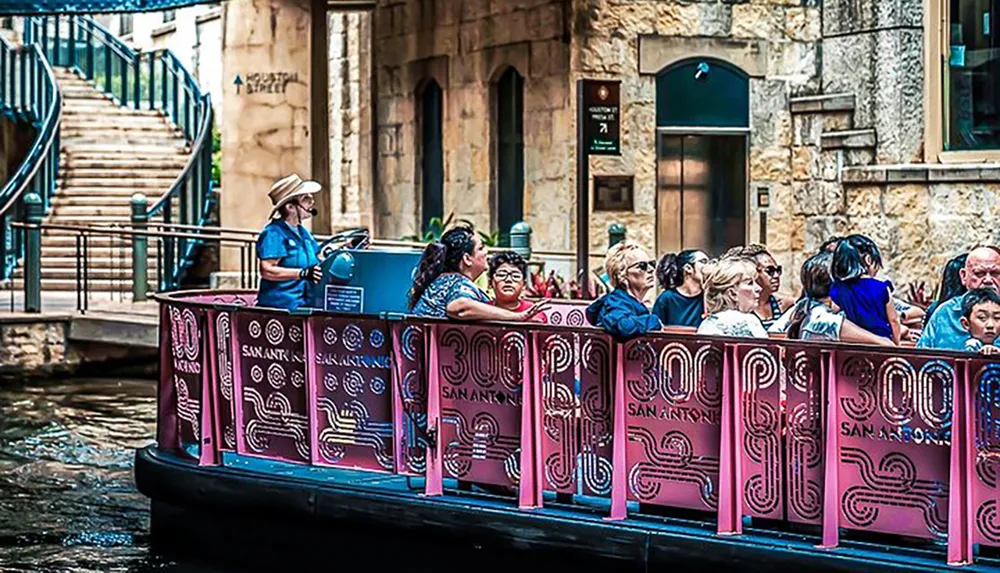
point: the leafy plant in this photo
(216, 156)
(490, 240)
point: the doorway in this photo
(700, 192)
(702, 138)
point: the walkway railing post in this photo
(616, 234)
(140, 248)
(34, 212)
(520, 239)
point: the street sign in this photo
(601, 117)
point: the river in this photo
(68, 501)
(67, 497)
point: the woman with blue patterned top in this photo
(444, 286)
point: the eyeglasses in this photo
(644, 266)
(508, 276)
(773, 270)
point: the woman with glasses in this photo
(771, 304)
(622, 313)
(681, 303)
(508, 271)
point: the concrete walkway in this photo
(108, 319)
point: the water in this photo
(67, 496)
(68, 501)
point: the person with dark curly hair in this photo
(508, 272)
(444, 285)
(681, 303)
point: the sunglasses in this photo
(773, 270)
(508, 276)
(644, 266)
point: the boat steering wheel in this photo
(357, 238)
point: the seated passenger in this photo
(445, 281)
(731, 295)
(944, 328)
(622, 312)
(813, 317)
(981, 318)
(508, 271)
(681, 303)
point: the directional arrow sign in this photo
(601, 117)
(238, 82)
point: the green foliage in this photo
(437, 226)
(216, 156)
(491, 240)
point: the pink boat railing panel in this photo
(409, 398)
(185, 375)
(893, 417)
(673, 401)
(272, 410)
(894, 441)
(480, 378)
(985, 379)
(351, 383)
(803, 369)
(576, 372)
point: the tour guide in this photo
(288, 253)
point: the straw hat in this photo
(288, 188)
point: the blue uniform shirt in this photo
(295, 248)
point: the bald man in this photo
(944, 329)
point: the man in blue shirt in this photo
(288, 253)
(944, 330)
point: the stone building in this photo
(778, 121)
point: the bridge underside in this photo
(31, 7)
(34, 7)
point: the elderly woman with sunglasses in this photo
(772, 304)
(622, 312)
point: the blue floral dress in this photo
(445, 289)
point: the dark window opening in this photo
(432, 155)
(510, 152)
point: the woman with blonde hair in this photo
(622, 312)
(731, 294)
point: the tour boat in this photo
(668, 449)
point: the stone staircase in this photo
(108, 153)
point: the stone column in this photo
(265, 124)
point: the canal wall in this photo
(41, 345)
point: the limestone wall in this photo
(265, 132)
(349, 102)
(36, 346)
(776, 42)
(465, 47)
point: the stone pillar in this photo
(266, 123)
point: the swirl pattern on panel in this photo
(759, 373)
(481, 403)
(804, 444)
(673, 398)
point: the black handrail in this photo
(28, 92)
(154, 80)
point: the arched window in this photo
(432, 155)
(509, 116)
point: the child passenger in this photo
(864, 299)
(981, 317)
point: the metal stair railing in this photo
(29, 94)
(154, 80)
